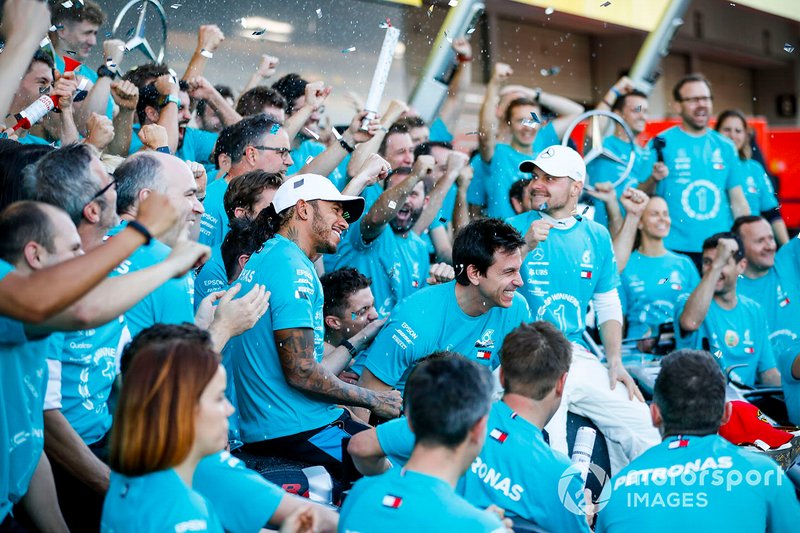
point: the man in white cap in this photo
(288, 397)
(569, 261)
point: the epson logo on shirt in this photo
(496, 480)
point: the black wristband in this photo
(350, 347)
(346, 146)
(163, 150)
(105, 72)
(138, 226)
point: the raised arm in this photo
(461, 216)
(696, 308)
(201, 89)
(35, 297)
(126, 96)
(392, 200)
(451, 109)
(209, 37)
(634, 201)
(565, 109)
(303, 372)
(455, 162)
(96, 100)
(327, 161)
(364, 150)
(168, 113)
(374, 169)
(266, 69)
(487, 120)
(316, 94)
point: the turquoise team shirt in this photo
(603, 169)
(791, 384)
(650, 288)
(211, 277)
(171, 303)
(23, 371)
(311, 149)
(757, 187)
(519, 472)
(779, 304)
(432, 320)
(89, 366)
(33, 139)
(135, 504)
(333, 261)
(397, 264)
(243, 500)
(504, 170)
(439, 131)
(702, 169)
(516, 469)
(476, 193)
(197, 146)
(214, 221)
(404, 500)
(268, 406)
(564, 272)
(788, 260)
(692, 483)
(736, 336)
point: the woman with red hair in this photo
(172, 412)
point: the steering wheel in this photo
(597, 149)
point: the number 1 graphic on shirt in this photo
(702, 200)
(561, 317)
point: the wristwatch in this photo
(350, 348)
(170, 99)
(105, 72)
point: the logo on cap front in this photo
(547, 153)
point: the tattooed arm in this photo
(303, 372)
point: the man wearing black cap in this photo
(288, 401)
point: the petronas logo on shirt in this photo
(392, 502)
(499, 436)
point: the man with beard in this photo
(569, 262)
(470, 316)
(702, 186)
(288, 399)
(383, 246)
(732, 326)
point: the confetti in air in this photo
(471, 31)
(311, 134)
(260, 32)
(449, 39)
(45, 42)
(274, 129)
(319, 13)
(552, 71)
(175, 6)
(788, 48)
(430, 10)
(206, 53)
(535, 118)
(452, 3)
(549, 11)
(474, 133)
(392, 204)
(67, 4)
(348, 50)
(605, 4)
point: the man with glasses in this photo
(702, 186)
(257, 143)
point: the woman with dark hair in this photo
(654, 277)
(14, 157)
(172, 413)
(756, 184)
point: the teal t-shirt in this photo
(700, 484)
(791, 384)
(243, 500)
(397, 264)
(158, 501)
(757, 187)
(519, 472)
(702, 169)
(476, 193)
(23, 375)
(603, 169)
(396, 440)
(33, 139)
(439, 131)
(736, 336)
(211, 277)
(564, 272)
(779, 304)
(788, 260)
(405, 500)
(268, 406)
(431, 320)
(214, 221)
(651, 287)
(171, 303)
(89, 363)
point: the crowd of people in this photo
(196, 277)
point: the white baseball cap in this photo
(559, 161)
(315, 187)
